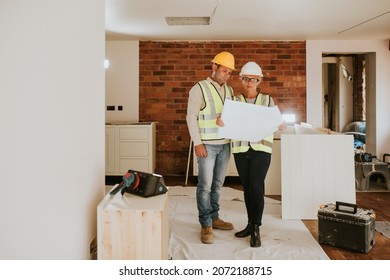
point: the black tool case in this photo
(344, 225)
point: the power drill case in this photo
(346, 226)
(141, 184)
(146, 184)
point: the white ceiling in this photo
(250, 19)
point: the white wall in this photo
(122, 81)
(314, 50)
(52, 127)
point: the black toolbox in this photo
(344, 225)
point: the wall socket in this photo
(112, 108)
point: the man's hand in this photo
(200, 151)
(219, 122)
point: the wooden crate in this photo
(132, 227)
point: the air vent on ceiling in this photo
(188, 20)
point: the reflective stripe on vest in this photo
(265, 144)
(213, 109)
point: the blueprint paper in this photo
(248, 122)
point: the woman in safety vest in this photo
(253, 159)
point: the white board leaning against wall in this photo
(317, 168)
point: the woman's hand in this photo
(283, 126)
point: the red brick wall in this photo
(169, 69)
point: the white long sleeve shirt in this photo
(195, 104)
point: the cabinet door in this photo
(110, 150)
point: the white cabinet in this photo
(130, 146)
(273, 179)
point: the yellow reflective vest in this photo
(213, 109)
(265, 144)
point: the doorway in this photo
(349, 96)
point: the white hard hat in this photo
(251, 68)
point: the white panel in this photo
(134, 133)
(316, 169)
(133, 149)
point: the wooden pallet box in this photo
(133, 228)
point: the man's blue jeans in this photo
(211, 176)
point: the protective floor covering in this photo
(281, 239)
(383, 227)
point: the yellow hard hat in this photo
(225, 59)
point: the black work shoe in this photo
(245, 232)
(255, 236)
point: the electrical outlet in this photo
(120, 108)
(110, 108)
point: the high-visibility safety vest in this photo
(265, 144)
(213, 109)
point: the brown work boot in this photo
(206, 235)
(220, 224)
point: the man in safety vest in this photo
(205, 104)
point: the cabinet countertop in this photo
(129, 123)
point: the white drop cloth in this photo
(281, 239)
